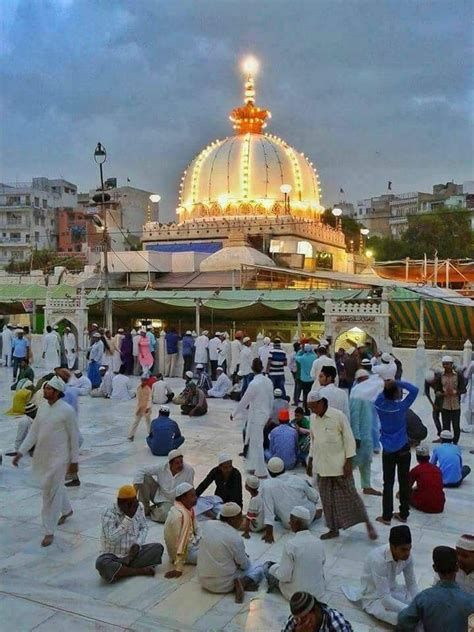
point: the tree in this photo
(45, 260)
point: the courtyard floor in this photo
(59, 589)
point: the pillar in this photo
(161, 352)
(467, 353)
(197, 325)
(422, 319)
(420, 363)
(299, 325)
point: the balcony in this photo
(7, 241)
(15, 224)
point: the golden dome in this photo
(243, 174)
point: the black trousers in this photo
(452, 417)
(400, 462)
(213, 369)
(436, 420)
(187, 363)
(305, 389)
(296, 389)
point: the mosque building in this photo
(251, 200)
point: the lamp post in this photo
(363, 236)
(286, 190)
(154, 199)
(100, 156)
(337, 212)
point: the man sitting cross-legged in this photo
(182, 533)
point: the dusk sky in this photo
(371, 91)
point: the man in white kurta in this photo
(322, 360)
(82, 383)
(7, 339)
(223, 565)
(264, 351)
(51, 350)
(223, 351)
(70, 348)
(201, 345)
(55, 437)
(337, 397)
(256, 405)
(301, 567)
(122, 389)
(222, 386)
(235, 348)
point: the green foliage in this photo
(44, 260)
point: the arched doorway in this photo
(354, 337)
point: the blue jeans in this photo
(245, 382)
(278, 382)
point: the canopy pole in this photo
(422, 319)
(299, 325)
(197, 324)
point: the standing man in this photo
(245, 366)
(201, 349)
(332, 448)
(322, 360)
(55, 437)
(305, 360)
(235, 348)
(264, 351)
(171, 340)
(214, 343)
(337, 397)
(7, 341)
(450, 388)
(20, 350)
(256, 406)
(187, 350)
(223, 350)
(51, 350)
(433, 381)
(277, 362)
(70, 348)
(392, 411)
(143, 408)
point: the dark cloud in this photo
(370, 90)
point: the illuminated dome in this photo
(243, 174)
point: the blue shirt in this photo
(171, 339)
(70, 396)
(284, 443)
(449, 460)
(20, 347)
(393, 418)
(188, 345)
(305, 362)
(163, 432)
(440, 608)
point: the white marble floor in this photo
(58, 588)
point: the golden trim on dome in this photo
(249, 118)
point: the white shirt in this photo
(159, 392)
(122, 387)
(263, 354)
(246, 359)
(318, 364)
(7, 339)
(213, 346)
(379, 579)
(466, 582)
(84, 385)
(55, 435)
(385, 370)
(337, 398)
(255, 512)
(119, 531)
(69, 341)
(96, 351)
(221, 555)
(282, 493)
(235, 347)
(257, 401)
(166, 481)
(369, 389)
(221, 387)
(222, 351)
(301, 567)
(201, 345)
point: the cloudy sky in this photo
(370, 90)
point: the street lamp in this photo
(154, 199)
(100, 156)
(286, 190)
(337, 212)
(363, 235)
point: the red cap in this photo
(284, 415)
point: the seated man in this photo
(426, 484)
(24, 425)
(165, 434)
(123, 549)
(122, 389)
(189, 383)
(280, 493)
(156, 484)
(222, 563)
(279, 403)
(105, 387)
(465, 553)
(448, 458)
(253, 521)
(195, 404)
(302, 560)
(379, 594)
(236, 390)
(444, 606)
(227, 479)
(222, 386)
(203, 381)
(283, 441)
(82, 383)
(181, 530)
(161, 392)
(310, 614)
(25, 373)
(302, 425)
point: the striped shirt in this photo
(332, 621)
(119, 531)
(276, 362)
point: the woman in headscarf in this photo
(20, 399)
(126, 353)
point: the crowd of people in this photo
(300, 450)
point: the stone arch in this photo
(354, 336)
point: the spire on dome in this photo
(249, 118)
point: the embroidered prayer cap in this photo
(307, 348)
(229, 510)
(315, 396)
(173, 454)
(446, 434)
(94, 325)
(361, 373)
(96, 334)
(246, 339)
(183, 488)
(284, 415)
(302, 603)
(252, 482)
(447, 360)
(199, 366)
(55, 327)
(422, 450)
(126, 492)
(120, 330)
(301, 512)
(386, 357)
(219, 368)
(189, 333)
(189, 374)
(400, 535)
(465, 542)
(266, 340)
(78, 373)
(57, 383)
(67, 329)
(31, 407)
(366, 362)
(164, 409)
(276, 465)
(277, 392)
(223, 457)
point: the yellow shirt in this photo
(332, 442)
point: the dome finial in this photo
(249, 118)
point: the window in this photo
(13, 200)
(45, 203)
(305, 248)
(37, 236)
(27, 200)
(15, 236)
(37, 221)
(17, 254)
(37, 201)
(27, 238)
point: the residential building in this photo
(28, 215)
(78, 234)
(374, 214)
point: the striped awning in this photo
(442, 319)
